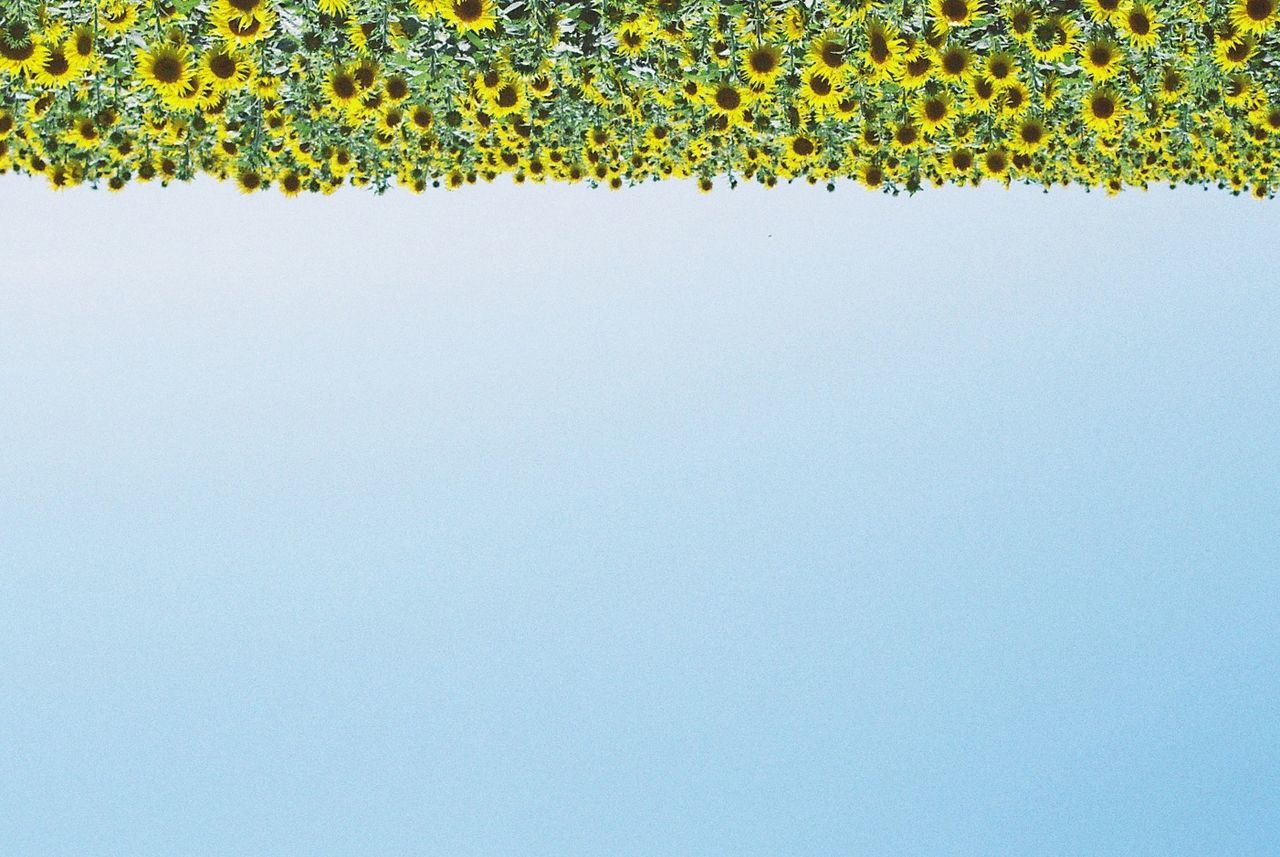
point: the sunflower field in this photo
(308, 95)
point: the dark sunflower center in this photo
(17, 53)
(832, 54)
(763, 62)
(954, 62)
(1102, 107)
(507, 96)
(244, 27)
(344, 86)
(1259, 10)
(1047, 34)
(468, 10)
(84, 44)
(222, 66)
(1139, 23)
(1100, 55)
(879, 47)
(819, 85)
(167, 69)
(802, 146)
(955, 10)
(934, 110)
(727, 98)
(1032, 133)
(57, 64)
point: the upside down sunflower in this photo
(166, 67)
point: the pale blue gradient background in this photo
(543, 521)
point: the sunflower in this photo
(1267, 117)
(225, 68)
(1241, 91)
(239, 8)
(342, 89)
(191, 94)
(249, 180)
(994, 163)
(166, 68)
(761, 66)
(81, 47)
(1139, 24)
(885, 51)
(917, 72)
(1052, 38)
(828, 54)
(798, 148)
(633, 38)
(85, 133)
(290, 183)
(117, 17)
(1233, 54)
(334, 8)
(1101, 58)
(954, 13)
(19, 53)
(243, 29)
(955, 63)
(1254, 17)
(1173, 83)
(359, 33)
(1022, 18)
(819, 93)
(729, 102)
(982, 94)
(907, 137)
(56, 68)
(1029, 136)
(958, 163)
(934, 112)
(1001, 68)
(391, 123)
(396, 88)
(469, 16)
(1015, 99)
(508, 99)
(1103, 11)
(1102, 110)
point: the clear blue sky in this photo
(545, 521)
